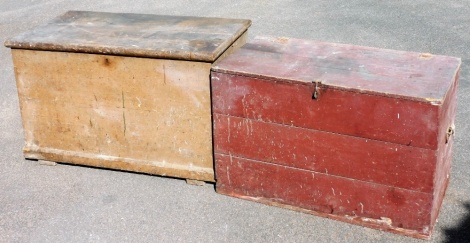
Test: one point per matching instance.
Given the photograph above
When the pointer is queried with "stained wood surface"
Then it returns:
(138, 114)
(143, 35)
(408, 75)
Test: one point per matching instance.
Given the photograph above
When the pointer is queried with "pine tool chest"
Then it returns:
(122, 91)
(357, 134)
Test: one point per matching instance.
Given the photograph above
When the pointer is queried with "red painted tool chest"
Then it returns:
(357, 134)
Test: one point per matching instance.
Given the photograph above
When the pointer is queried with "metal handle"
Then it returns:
(450, 131)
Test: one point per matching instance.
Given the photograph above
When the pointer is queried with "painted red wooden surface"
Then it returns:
(351, 113)
(325, 152)
(365, 92)
(444, 151)
(376, 134)
(411, 75)
(387, 206)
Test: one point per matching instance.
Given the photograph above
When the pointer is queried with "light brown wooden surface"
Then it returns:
(138, 114)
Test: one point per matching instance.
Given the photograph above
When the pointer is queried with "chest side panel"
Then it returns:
(400, 121)
(444, 152)
(108, 109)
(329, 153)
(354, 201)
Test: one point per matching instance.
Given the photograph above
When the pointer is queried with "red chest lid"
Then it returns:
(409, 75)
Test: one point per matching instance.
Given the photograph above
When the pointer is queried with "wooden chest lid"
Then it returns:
(141, 35)
(409, 75)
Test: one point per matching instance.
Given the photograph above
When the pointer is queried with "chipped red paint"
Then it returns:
(325, 152)
(322, 192)
(350, 113)
(370, 150)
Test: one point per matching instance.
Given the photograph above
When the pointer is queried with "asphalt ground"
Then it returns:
(78, 204)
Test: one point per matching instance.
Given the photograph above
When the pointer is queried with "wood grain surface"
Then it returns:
(378, 134)
(139, 114)
(137, 35)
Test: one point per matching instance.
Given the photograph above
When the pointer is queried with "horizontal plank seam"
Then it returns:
(340, 134)
(61, 152)
(336, 87)
(118, 53)
(337, 176)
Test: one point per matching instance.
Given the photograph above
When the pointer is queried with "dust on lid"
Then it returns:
(409, 75)
(140, 35)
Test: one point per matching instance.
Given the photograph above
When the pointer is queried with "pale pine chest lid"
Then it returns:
(140, 35)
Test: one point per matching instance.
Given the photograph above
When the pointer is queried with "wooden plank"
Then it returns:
(195, 182)
(378, 125)
(330, 153)
(444, 151)
(119, 163)
(47, 162)
(408, 75)
(138, 114)
(138, 35)
(358, 202)
(339, 111)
